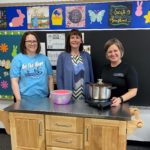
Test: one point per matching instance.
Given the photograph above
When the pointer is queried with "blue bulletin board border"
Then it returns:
(88, 16)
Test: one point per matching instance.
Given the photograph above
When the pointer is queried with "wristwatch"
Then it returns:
(121, 99)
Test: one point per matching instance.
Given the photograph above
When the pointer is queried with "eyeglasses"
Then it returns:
(30, 42)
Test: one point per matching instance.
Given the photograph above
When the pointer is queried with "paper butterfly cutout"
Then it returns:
(96, 16)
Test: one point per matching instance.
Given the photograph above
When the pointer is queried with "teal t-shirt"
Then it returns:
(33, 73)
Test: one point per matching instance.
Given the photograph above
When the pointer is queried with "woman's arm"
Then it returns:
(51, 83)
(91, 69)
(125, 97)
(15, 88)
(59, 72)
(130, 94)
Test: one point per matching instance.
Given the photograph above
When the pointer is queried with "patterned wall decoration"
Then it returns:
(8, 50)
(75, 16)
(91, 16)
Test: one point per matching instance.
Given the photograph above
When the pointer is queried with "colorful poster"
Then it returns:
(141, 14)
(96, 16)
(120, 15)
(75, 16)
(16, 18)
(8, 50)
(38, 17)
(57, 17)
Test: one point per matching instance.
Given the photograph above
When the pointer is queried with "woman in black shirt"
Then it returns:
(121, 75)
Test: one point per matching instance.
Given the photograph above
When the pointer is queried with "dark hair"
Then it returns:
(116, 42)
(73, 32)
(23, 39)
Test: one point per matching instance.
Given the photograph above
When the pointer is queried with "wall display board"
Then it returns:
(9, 47)
(137, 53)
(100, 16)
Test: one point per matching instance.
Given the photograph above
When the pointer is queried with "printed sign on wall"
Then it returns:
(55, 41)
(53, 56)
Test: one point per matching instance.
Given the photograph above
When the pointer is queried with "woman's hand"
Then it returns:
(116, 101)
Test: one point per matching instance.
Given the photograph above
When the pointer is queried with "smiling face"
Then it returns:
(31, 45)
(114, 54)
(75, 41)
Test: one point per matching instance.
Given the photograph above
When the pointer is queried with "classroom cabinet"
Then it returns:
(53, 132)
(102, 134)
(27, 131)
(64, 132)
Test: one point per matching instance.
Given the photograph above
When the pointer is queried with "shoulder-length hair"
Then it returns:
(73, 32)
(23, 40)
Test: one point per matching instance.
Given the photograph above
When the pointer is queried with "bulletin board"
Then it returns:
(112, 15)
(9, 48)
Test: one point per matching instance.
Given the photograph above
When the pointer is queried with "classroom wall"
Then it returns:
(87, 17)
(136, 42)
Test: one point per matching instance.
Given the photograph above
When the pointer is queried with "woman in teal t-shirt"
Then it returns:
(31, 72)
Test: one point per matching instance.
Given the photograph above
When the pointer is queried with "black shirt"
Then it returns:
(123, 77)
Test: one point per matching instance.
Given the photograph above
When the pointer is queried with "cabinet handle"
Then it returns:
(136, 121)
(40, 128)
(63, 125)
(86, 135)
(66, 142)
